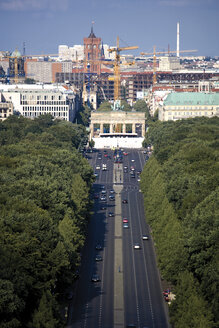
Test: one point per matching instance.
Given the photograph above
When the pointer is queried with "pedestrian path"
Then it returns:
(118, 258)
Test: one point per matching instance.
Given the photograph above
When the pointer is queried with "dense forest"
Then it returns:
(45, 207)
(180, 183)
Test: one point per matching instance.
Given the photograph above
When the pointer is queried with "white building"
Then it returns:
(6, 108)
(40, 71)
(75, 53)
(169, 63)
(182, 105)
(34, 100)
(155, 100)
(67, 66)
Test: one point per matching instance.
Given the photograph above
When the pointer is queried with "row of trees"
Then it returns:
(139, 106)
(45, 207)
(180, 185)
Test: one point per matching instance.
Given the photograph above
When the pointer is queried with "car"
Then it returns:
(102, 197)
(110, 214)
(96, 174)
(132, 168)
(104, 167)
(103, 208)
(136, 246)
(132, 160)
(111, 197)
(98, 258)
(105, 155)
(95, 278)
(112, 191)
(102, 187)
(98, 167)
(125, 220)
(145, 237)
(139, 172)
(125, 167)
(125, 153)
(125, 201)
(138, 179)
(69, 296)
(103, 192)
(99, 157)
(125, 225)
(132, 175)
(98, 247)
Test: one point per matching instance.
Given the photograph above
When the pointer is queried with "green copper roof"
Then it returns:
(191, 98)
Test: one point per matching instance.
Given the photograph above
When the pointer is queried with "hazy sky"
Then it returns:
(45, 24)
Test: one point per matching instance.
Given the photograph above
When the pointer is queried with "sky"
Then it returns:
(45, 24)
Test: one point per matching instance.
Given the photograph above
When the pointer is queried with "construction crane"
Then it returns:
(117, 51)
(16, 55)
(159, 53)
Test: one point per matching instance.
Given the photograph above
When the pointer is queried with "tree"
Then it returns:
(105, 106)
(44, 316)
(140, 106)
(189, 309)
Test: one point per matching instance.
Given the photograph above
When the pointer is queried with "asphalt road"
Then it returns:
(93, 302)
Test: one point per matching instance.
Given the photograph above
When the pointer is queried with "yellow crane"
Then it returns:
(117, 51)
(154, 53)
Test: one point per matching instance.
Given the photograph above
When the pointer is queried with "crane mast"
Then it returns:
(117, 51)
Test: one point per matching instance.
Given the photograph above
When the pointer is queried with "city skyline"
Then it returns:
(45, 24)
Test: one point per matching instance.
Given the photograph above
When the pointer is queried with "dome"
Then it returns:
(16, 53)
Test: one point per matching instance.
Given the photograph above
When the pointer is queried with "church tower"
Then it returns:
(92, 53)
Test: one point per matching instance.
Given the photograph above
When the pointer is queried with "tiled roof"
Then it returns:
(191, 98)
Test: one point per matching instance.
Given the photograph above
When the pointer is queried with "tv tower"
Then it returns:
(177, 41)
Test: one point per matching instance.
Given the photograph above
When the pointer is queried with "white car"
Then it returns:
(98, 167)
(137, 246)
(132, 160)
(145, 237)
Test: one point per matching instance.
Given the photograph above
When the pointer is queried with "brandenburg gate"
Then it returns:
(117, 129)
(117, 122)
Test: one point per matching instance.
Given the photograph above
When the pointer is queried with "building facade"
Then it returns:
(34, 100)
(6, 108)
(92, 53)
(183, 105)
(169, 63)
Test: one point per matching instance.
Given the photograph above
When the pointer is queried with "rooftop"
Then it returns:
(192, 98)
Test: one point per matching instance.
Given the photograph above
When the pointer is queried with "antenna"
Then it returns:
(24, 48)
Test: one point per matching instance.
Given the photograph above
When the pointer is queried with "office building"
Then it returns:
(34, 100)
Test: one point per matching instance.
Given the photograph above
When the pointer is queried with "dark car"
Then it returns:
(98, 247)
(95, 278)
(111, 214)
(111, 197)
(69, 296)
(98, 258)
(125, 201)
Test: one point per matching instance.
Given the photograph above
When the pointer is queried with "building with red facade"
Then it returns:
(92, 53)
